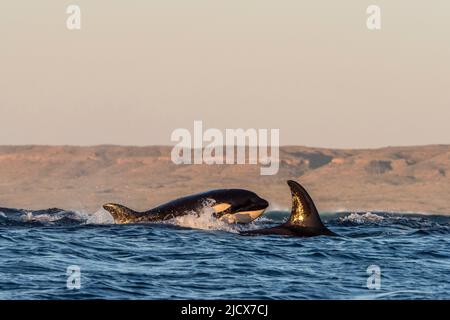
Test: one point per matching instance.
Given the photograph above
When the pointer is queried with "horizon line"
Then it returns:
(246, 146)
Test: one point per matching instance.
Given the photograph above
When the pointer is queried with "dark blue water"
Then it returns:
(166, 261)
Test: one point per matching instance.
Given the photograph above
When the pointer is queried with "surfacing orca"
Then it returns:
(229, 205)
(304, 220)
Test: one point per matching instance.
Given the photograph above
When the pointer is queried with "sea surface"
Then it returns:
(57, 254)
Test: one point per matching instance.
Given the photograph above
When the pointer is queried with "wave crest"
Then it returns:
(361, 218)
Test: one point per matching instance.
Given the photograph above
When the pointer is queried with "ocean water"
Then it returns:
(201, 258)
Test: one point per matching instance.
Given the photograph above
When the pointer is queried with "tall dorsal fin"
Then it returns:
(303, 212)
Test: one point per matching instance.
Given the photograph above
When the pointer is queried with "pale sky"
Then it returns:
(137, 70)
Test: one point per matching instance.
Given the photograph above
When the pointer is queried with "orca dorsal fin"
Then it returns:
(303, 212)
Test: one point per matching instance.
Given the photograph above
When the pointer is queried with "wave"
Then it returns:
(204, 220)
(384, 223)
(52, 217)
(367, 217)
(399, 295)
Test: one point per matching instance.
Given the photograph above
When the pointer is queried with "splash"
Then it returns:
(53, 216)
(204, 220)
(101, 216)
(30, 217)
(367, 217)
(50, 216)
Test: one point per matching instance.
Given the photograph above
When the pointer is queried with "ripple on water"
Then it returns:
(198, 259)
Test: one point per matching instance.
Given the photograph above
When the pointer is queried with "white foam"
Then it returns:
(101, 216)
(203, 220)
(362, 218)
(30, 217)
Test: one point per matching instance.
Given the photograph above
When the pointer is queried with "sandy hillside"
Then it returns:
(83, 178)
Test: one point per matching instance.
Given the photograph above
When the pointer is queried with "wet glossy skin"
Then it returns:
(304, 220)
(225, 203)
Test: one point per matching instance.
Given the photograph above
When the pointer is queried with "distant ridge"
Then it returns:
(408, 179)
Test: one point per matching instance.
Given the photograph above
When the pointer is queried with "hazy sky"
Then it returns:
(137, 70)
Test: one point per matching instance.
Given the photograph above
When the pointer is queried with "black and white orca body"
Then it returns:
(228, 205)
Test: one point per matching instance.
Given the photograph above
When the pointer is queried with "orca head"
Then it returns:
(239, 206)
